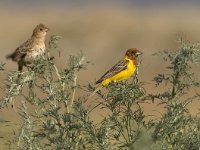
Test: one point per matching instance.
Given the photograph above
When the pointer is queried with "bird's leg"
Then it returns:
(114, 83)
(29, 66)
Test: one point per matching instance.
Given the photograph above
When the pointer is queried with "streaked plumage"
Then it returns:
(120, 66)
(30, 49)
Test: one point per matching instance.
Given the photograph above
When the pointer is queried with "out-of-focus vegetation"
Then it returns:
(54, 117)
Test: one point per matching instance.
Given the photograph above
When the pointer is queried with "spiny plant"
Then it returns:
(61, 120)
(178, 128)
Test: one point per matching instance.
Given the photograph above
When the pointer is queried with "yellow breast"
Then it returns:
(122, 75)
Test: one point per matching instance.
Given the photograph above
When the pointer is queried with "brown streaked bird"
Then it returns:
(122, 70)
(30, 49)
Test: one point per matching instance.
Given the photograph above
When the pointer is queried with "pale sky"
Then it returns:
(145, 3)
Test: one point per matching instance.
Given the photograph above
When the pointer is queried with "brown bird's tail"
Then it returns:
(9, 56)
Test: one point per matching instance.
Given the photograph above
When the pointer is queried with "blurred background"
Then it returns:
(103, 30)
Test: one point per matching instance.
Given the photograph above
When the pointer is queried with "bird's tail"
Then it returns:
(9, 56)
(97, 89)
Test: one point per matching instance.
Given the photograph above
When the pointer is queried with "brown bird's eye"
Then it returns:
(40, 29)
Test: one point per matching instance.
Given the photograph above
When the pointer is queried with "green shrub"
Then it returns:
(59, 121)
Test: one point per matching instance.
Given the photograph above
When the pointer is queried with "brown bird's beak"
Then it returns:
(47, 29)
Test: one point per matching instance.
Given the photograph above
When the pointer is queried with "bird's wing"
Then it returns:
(26, 46)
(118, 67)
(22, 50)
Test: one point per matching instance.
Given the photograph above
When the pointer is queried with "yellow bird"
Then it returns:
(122, 70)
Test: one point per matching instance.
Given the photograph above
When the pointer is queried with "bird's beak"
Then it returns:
(139, 53)
(47, 29)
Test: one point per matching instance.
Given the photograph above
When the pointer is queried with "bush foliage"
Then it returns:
(53, 117)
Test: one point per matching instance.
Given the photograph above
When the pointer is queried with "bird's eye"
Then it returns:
(40, 29)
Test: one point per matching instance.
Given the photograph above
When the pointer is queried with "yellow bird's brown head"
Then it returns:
(40, 30)
(132, 53)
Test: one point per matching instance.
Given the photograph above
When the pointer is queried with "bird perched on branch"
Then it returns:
(122, 70)
(33, 47)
